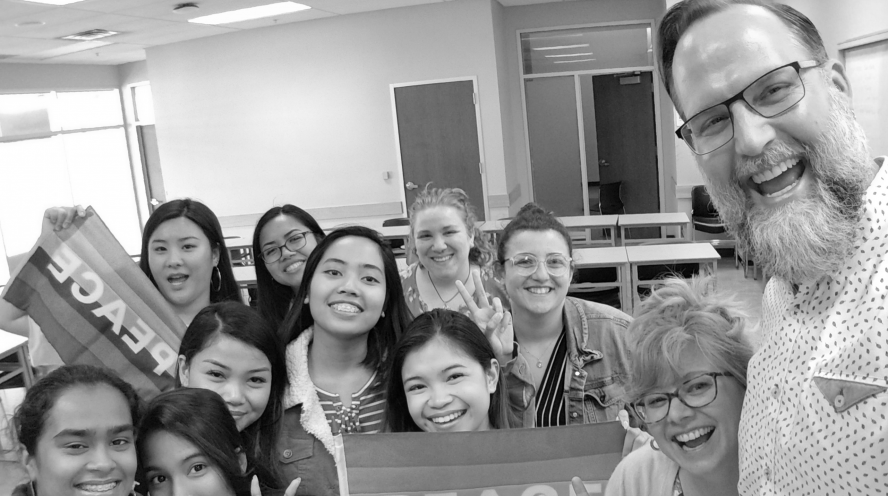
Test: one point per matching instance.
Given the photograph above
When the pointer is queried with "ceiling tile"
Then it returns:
(52, 18)
(303, 15)
(20, 46)
(111, 6)
(111, 54)
(153, 32)
(10, 9)
(354, 6)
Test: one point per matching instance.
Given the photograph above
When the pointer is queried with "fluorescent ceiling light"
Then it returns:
(569, 55)
(55, 2)
(562, 47)
(250, 13)
(92, 34)
(571, 61)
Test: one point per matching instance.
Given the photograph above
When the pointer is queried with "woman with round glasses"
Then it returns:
(561, 344)
(283, 239)
(689, 359)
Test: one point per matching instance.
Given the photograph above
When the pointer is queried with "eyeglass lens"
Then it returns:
(293, 243)
(556, 265)
(695, 393)
(770, 95)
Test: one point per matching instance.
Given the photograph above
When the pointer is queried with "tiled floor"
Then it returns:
(747, 291)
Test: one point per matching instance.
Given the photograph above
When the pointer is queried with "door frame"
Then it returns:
(653, 69)
(482, 165)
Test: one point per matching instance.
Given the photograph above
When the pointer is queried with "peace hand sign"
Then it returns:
(495, 322)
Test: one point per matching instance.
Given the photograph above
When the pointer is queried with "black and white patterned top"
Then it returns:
(815, 416)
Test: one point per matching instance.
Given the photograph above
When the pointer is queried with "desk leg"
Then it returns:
(636, 300)
(625, 287)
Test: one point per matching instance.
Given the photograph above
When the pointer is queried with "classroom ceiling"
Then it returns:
(30, 32)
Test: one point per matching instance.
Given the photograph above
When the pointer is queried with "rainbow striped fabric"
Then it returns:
(510, 462)
(96, 307)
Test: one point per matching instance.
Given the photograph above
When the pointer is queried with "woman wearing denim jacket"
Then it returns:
(568, 363)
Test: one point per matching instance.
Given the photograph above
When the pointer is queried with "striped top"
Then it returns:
(550, 396)
(364, 415)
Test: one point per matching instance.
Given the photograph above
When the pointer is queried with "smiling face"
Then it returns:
(87, 446)
(442, 242)
(447, 390)
(174, 466)
(538, 293)
(786, 183)
(181, 260)
(275, 234)
(701, 439)
(348, 290)
(238, 372)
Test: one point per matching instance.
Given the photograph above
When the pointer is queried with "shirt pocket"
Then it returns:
(843, 393)
(603, 399)
(293, 451)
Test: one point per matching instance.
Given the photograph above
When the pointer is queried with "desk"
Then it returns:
(15, 345)
(604, 222)
(586, 258)
(629, 221)
(675, 253)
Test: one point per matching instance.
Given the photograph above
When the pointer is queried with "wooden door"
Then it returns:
(438, 139)
(627, 140)
(553, 138)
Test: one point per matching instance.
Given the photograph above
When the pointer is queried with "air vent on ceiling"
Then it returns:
(90, 35)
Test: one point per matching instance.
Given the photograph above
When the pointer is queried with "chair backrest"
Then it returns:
(609, 201)
(701, 203)
(400, 221)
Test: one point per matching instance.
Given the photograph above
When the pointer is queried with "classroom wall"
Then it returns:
(562, 14)
(302, 112)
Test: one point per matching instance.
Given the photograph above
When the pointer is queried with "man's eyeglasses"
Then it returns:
(695, 393)
(768, 96)
(526, 264)
(293, 243)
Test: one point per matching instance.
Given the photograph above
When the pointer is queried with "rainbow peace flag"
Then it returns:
(509, 462)
(97, 307)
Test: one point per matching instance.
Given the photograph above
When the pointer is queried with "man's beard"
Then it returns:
(811, 236)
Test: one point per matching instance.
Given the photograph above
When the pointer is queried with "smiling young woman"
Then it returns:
(283, 239)
(448, 248)
(77, 427)
(348, 313)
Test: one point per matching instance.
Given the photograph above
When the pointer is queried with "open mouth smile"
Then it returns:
(539, 290)
(91, 487)
(691, 441)
(295, 266)
(447, 419)
(177, 280)
(349, 308)
(779, 179)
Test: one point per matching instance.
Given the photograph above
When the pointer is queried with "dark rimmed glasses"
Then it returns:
(293, 243)
(768, 96)
(696, 392)
(526, 264)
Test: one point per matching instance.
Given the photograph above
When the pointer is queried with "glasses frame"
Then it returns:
(280, 249)
(535, 267)
(715, 375)
(798, 66)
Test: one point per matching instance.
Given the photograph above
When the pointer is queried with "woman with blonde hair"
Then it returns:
(689, 360)
(447, 248)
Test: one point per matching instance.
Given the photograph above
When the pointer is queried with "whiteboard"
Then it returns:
(867, 67)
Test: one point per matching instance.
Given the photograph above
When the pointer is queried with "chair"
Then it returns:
(609, 200)
(397, 245)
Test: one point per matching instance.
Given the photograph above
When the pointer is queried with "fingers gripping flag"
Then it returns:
(96, 307)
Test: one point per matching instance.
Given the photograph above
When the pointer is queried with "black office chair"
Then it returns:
(706, 219)
(397, 245)
(609, 200)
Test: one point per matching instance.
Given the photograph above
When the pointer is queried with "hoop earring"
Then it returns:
(217, 272)
(654, 445)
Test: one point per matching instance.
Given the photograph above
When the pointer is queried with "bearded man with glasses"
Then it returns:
(768, 116)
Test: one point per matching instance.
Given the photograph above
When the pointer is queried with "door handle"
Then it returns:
(154, 202)
(410, 185)
(603, 163)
